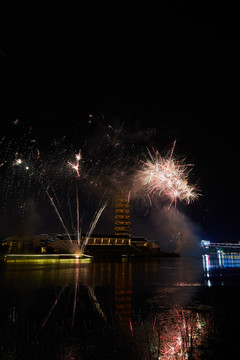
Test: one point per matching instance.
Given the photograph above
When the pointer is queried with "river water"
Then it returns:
(178, 308)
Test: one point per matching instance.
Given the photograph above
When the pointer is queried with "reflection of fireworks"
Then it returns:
(167, 176)
(76, 296)
(179, 334)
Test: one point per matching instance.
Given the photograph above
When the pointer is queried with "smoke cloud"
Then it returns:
(172, 229)
(31, 220)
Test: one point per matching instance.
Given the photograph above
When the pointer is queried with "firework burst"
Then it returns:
(77, 165)
(167, 176)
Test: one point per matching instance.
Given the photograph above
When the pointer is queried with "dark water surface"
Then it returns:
(183, 308)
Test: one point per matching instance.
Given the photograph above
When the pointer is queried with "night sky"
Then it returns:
(157, 73)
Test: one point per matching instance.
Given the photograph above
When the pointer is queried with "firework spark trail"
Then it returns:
(167, 176)
(129, 196)
(58, 205)
(3, 138)
(75, 295)
(77, 211)
(53, 307)
(71, 216)
(4, 162)
(172, 149)
(59, 216)
(92, 226)
(96, 303)
(74, 304)
(79, 247)
(119, 132)
(77, 165)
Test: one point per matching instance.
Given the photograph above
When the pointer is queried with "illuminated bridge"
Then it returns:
(216, 248)
(220, 256)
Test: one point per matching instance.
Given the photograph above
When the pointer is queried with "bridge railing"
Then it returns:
(206, 244)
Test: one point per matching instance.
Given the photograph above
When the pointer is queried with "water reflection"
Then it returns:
(221, 269)
(174, 334)
(121, 311)
(220, 261)
(123, 289)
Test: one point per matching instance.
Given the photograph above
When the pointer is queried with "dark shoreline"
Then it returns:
(116, 253)
(112, 256)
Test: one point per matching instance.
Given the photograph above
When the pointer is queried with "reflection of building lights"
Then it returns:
(206, 262)
(219, 257)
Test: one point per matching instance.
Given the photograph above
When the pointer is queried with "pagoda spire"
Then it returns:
(122, 215)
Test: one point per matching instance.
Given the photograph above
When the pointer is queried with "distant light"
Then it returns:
(27, 167)
(205, 243)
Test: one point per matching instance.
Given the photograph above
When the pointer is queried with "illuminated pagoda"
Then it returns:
(122, 215)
